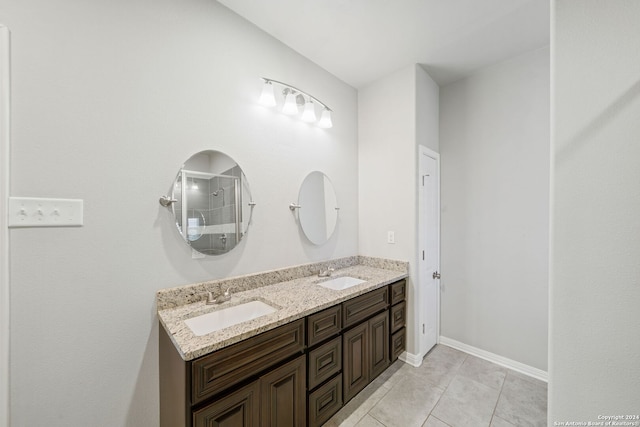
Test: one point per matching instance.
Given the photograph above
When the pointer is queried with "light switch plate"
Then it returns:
(45, 212)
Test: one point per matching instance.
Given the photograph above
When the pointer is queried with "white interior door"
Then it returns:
(429, 245)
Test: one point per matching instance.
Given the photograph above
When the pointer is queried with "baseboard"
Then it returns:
(498, 360)
(414, 360)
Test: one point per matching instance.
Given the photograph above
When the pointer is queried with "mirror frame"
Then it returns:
(239, 192)
(314, 215)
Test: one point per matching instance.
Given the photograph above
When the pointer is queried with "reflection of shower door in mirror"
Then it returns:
(210, 211)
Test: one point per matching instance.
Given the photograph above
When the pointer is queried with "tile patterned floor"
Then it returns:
(449, 389)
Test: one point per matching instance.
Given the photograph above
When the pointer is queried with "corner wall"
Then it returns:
(395, 115)
(494, 151)
(594, 361)
(109, 98)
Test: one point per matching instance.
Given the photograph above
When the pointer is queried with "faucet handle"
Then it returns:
(227, 293)
(210, 298)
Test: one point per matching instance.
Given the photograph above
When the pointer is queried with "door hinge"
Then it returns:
(436, 275)
(423, 330)
(423, 255)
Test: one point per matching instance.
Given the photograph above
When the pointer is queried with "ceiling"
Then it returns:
(360, 41)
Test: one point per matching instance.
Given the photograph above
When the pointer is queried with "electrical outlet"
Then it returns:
(42, 212)
(391, 237)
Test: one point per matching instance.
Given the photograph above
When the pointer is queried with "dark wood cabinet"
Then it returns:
(325, 401)
(398, 291)
(295, 375)
(355, 360)
(201, 392)
(360, 308)
(324, 362)
(365, 354)
(378, 344)
(283, 395)
(238, 362)
(398, 318)
(238, 409)
(324, 325)
(398, 344)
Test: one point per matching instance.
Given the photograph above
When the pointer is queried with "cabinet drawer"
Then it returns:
(398, 316)
(223, 368)
(398, 291)
(398, 343)
(324, 325)
(359, 308)
(324, 362)
(325, 401)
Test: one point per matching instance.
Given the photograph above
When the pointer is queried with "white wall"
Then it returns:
(109, 99)
(595, 245)
(494, 148)
(427, 111)
(395, 114)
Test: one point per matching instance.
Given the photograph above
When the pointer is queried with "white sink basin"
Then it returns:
(220, 319)
(340, 283)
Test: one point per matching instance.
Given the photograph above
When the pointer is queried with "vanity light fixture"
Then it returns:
(267, 97)
(309, 113)
(325, 119)
(290, 103)
(293, 99)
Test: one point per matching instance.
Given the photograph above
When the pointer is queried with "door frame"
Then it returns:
(4, 230)
(424, 151)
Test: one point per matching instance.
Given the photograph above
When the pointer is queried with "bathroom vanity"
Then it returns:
(295, 366)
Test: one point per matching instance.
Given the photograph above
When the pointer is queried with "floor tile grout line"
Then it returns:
(378, 401)
(447, 424)
(493, 414)
(445, 390)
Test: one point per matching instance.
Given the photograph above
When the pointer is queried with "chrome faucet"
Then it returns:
(327, 272)
(226, 296)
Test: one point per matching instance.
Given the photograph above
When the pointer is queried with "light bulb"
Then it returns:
(290, 104)
(325, 119)
(267, 98)
(309, 113)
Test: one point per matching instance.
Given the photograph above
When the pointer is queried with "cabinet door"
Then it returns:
(379, 344)
(355, 352)
(238, 409)
(283, 395)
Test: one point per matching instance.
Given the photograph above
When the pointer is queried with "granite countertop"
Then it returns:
(293, 299)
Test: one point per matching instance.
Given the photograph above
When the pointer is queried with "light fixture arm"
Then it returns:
(288, 86)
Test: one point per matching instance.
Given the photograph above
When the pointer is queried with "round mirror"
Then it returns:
(318, 211)
(211, 203)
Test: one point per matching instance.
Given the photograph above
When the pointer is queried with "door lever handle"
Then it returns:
(436, 275)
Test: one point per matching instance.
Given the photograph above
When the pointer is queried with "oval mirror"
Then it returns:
(211, 202)
(318, 207)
